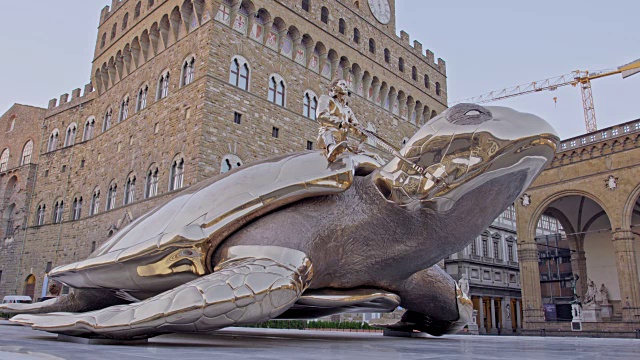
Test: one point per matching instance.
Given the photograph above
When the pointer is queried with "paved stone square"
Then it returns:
(18, 342)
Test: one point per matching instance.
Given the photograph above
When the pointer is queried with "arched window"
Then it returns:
(40, 213)
(89, 125)
(94, 207)
(11, 187)
(438, 89)
(77, 208)
(130, 190)
(142, 97)
(306, 5)
(107, 120)
(136, 12)
(277, 90)
(473, 249)
(4, 160)
(103, 41)
(27, 150)
(188, 70)
(58, 210)
(70, 136)
(239, 73)
(414, 73)
(9, 230)
(124, 109)
(387, 56)
(433, 114)
(324, 15)
(151, 185)
(11, 124)
(342, 26)
(53, 140)
(150, 4)
(125, 21)
(427, 83)
(401, 64)
(310, 105)
(496, 246)
(176, 174)
(372, 46)
(356, 35)
(114, 29)
(485, 243)
(163, 86)
(230, 162)
(111, 196)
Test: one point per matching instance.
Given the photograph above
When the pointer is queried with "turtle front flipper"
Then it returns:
(80, 300)
(252, 284)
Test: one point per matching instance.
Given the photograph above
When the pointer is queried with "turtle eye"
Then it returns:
(468, 114)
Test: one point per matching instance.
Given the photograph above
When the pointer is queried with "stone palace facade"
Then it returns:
(183, 90)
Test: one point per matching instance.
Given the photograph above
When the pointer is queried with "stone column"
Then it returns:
(579, 267)
(494, 329)
(507, 321)
(627, 274)
(482, 329)
(518, 319)
(530, 281)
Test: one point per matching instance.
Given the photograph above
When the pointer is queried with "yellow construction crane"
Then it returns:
(574, 78)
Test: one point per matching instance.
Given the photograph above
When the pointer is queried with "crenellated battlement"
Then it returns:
(107, 11)
(416, 48)
(77, 96)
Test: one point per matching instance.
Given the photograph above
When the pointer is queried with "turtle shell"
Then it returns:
(172, 244)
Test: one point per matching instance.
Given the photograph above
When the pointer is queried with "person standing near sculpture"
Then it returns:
(337, 121)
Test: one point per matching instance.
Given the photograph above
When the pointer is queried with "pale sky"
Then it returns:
(488, 45)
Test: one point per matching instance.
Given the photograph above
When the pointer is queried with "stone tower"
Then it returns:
(182, 90)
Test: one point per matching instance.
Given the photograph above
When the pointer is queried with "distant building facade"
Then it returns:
(491, 266)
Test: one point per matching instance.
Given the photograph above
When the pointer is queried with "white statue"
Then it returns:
(604, 295)
(590, 296)
(463, 283)
(576, 311)
(611, 183)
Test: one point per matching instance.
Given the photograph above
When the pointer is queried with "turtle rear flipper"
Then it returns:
(80, 300)
(253, 284)
(434, 302)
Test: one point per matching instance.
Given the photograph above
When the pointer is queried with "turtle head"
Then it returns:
(463, 148)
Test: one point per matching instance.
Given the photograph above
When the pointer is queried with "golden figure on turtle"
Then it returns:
(337, 122)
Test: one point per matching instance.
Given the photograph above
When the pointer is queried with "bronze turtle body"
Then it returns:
(299, 237)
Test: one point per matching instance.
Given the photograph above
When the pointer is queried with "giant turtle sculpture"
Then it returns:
(297, 236)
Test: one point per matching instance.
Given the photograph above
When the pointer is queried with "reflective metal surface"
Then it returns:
(463, 147)
(238, 248)
(318, 303)
(337, 121)
(173, 243)
(252, 284)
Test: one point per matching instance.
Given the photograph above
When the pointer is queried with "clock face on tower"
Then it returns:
(381, 10)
